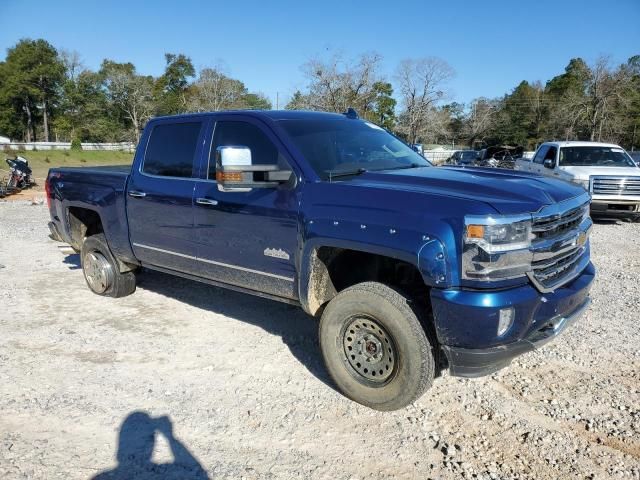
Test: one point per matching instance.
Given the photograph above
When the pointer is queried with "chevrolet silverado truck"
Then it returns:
(604, 169)
(411, 269)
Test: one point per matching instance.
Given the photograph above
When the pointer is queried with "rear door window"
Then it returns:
(171, 149)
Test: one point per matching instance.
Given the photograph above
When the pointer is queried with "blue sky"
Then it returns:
(491, 44)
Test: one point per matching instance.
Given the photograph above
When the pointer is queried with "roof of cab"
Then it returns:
(272, 114)
(574, 143)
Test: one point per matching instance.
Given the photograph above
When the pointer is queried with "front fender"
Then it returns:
(424, 251)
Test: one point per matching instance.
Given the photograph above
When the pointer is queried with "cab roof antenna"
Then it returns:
(351, 113)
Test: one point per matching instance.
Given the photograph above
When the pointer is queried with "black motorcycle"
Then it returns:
(19, 174)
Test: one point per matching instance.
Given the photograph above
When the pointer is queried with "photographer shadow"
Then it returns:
(136, 443)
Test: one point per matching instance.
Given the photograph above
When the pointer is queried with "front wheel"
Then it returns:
(375, 348)
(101, 270)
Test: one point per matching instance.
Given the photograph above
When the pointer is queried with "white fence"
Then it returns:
(438, 157)
(124, 146)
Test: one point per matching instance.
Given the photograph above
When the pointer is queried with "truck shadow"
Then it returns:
(298, 330)
(136, 442)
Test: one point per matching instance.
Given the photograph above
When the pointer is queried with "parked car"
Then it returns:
(604, 169)
(410, 268)
(499, 156)
(464, 157)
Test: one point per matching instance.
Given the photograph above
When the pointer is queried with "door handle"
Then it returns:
(137, 194)
(206, 201)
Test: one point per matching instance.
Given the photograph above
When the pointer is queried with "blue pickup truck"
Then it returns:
(411, 269)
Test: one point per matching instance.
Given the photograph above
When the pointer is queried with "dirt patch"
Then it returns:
(242, 383)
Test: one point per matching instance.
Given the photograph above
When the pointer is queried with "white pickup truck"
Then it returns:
(605, 170)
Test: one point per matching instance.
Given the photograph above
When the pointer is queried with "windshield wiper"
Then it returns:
(401, 167)
(346, 173)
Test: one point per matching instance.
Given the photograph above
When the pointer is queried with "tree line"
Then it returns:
(598, 102)
(46, 94)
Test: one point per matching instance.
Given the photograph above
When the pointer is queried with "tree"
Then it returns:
(170, 89)
(215, 91)
(521, 117)
(130, 93)
(481, 120)
(255, 101)
(336, 84)
(32, 75)
(604, 91)
(298, 101)
(383, 105)
(566, 93)
(86, 113)
(422, 86)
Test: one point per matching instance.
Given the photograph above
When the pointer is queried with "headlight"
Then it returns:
(583, 183)
(496, 248)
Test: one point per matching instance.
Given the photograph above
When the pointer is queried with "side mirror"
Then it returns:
(235, 171)
(549, 163)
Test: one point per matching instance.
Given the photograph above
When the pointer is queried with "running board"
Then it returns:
(228, 286)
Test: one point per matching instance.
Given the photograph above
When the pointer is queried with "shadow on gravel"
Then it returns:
(610, 221)
(136, 442)
(73, 261)
(297, 329)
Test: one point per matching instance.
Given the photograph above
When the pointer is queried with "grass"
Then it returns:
(41, 161)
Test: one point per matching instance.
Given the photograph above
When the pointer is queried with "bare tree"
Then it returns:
(215, 91)
(481, 119)
(72, 62)
(421, 83)
(606, 89)
(336, 84)
(129, 92)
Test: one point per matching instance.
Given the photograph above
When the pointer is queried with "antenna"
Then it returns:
(351, 113)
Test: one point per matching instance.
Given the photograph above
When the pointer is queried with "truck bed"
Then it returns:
(100, 189)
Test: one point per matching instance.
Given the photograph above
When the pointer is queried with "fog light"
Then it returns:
(506, 320)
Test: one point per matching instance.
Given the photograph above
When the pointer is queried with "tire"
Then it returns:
(101, 270)
(375, 348)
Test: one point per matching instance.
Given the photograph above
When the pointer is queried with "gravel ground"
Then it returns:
(242, 383)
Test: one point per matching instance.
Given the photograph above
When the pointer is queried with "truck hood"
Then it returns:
(583, 173)
(507, 191)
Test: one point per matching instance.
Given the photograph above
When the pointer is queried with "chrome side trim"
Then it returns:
(213, 262)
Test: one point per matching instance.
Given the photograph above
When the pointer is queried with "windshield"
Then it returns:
(594, 157)
(343, 145)
(468, 155)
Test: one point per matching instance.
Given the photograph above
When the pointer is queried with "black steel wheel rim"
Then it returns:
(371, 355)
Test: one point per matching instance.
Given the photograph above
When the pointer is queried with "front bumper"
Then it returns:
(466, 362)
(615, 208)
(466, 322)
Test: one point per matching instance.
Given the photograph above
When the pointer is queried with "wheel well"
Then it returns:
(334, 269)
(83, 223)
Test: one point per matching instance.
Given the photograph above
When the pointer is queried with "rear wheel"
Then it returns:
(375, 348)
(101, 270)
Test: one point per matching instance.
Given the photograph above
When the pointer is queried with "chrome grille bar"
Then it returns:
(560, 249)
(612, 185)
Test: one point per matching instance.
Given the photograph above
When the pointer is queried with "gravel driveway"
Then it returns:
(234, 386)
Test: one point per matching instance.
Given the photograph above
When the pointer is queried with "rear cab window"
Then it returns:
(171, 150)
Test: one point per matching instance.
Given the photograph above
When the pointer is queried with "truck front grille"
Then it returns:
(560, 249)
(609, 185)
